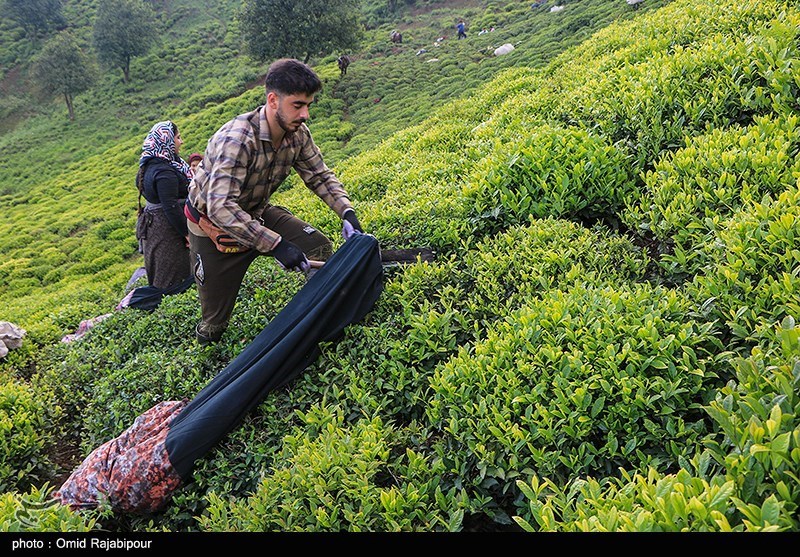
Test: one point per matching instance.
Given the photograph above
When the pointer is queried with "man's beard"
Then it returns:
(285, 126)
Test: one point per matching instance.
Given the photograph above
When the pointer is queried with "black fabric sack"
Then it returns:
(343, 291)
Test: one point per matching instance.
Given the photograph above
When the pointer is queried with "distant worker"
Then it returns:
(396, 37)
(462, 33)
(343, 61)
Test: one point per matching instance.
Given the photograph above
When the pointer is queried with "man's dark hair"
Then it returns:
(288, 76)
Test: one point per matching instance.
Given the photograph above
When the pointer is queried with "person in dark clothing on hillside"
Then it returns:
(344, 63)
(462, 33)
(245, 161)
(163, 180)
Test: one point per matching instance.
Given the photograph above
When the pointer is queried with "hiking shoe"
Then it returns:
(203, 338)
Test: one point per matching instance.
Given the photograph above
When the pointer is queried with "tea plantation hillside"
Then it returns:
(67, 201)
(607, 340)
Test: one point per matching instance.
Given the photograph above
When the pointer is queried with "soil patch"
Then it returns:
(66, 456)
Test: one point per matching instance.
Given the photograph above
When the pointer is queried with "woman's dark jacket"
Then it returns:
(165, 185)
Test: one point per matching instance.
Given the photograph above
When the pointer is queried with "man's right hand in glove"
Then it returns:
(350, 224)
(290, 257)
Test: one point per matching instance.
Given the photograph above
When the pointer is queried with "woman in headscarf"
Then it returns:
(163, 180)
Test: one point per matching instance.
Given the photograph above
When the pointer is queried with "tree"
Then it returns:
(299, 28)
(35, 15)
(123, 30)
(62, 67)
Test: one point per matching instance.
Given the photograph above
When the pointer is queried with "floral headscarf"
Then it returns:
(160, 142)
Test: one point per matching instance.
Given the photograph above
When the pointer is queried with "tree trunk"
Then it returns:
(70, 107)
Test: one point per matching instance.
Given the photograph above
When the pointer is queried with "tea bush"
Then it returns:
(553, 173)
(694, 190)
(577, 383)
(26, 422)
(753, 284)
(335, 477)
(35, 511)
(758, 417)
(640, 502)
(548, 254)
(745, 481)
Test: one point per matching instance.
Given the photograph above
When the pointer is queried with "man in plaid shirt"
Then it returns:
(245, 161)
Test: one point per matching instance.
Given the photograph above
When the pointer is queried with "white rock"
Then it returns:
(11, 335)
(505, 49)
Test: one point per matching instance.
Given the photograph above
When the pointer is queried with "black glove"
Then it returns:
(291, 257)
(351, 224)
(350, 216)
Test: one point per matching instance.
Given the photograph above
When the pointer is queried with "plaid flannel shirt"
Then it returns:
(241, 170)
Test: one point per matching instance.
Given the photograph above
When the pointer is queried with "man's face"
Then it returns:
(290, 110)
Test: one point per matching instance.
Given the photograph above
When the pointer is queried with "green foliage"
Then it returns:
(318, 27)
(578, 383)
(752, 285)
(35, 15)
(552, 173)
(548, 255)
(35, 511)
(107, 379)
(696, 189)
(336, 477)
(758, 447)
(62, 68)
(759, 417)
(26, 422)
(123, 30)
(640, 502)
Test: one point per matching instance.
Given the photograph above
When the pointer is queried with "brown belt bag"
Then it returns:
(223, 241)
